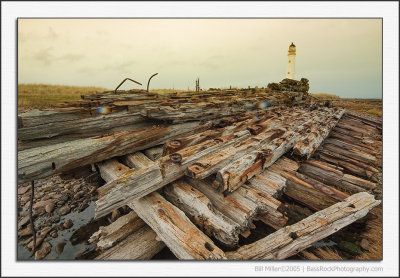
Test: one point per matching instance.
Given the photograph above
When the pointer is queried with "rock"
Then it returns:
(92, 190)
(83, 206)
(350, 248)
(48, 187)
(67, 186)
(46, 197)
(60, 203)
(24, 213)
(42, 203)
(64, 210)
(61, 227)
(25, 199)
(79, 195)
(49, 207)
(24, 220)
(364, 244)
(38, 211)
(68, 224)
(23, 190)
(43, 251)
(76, 188)
(45, 230)
(39, 240)
(54, 219)
(60, 247)
(25, 232)
(115, 215)
(65, 197)
(54, 234)
(55, 195)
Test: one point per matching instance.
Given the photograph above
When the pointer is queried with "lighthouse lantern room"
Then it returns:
(291, 61)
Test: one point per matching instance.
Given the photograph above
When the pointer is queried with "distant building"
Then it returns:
(291, 61)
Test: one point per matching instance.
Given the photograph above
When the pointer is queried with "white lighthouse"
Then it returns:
(291, 61)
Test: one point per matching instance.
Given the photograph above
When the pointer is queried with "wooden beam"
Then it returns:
(44, 161)
(176, 230)
(141, 245)
(201, 211)
(292, 239)
(108, 236)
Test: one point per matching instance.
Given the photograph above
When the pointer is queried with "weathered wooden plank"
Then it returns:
(176, 230)
(140, 245)
(111, 169)
(293, 239)
(244, 205)
(351, 165)
(92, 125)
(108, 236)
(154, 153)
(201, 212)
(137, 160)
(352, 153)
(49, 160)
(311, 193)
(334, 177)
(138, 183)
(308, 143)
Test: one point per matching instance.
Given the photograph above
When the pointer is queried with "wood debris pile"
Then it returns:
(198, 169)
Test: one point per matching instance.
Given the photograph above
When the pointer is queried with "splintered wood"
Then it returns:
(199, 170)
(292, 239)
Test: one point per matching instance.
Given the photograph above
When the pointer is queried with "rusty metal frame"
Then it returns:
(115, 91)
(148, 82)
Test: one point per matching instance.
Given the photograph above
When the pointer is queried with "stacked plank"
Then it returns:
(243, 151)
(106, 125)
(200, 169)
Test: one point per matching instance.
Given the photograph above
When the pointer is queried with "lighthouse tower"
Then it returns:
(291, 61)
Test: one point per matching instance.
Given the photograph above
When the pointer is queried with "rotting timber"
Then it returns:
(200, 170)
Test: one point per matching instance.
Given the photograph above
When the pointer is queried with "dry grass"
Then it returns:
(373, 107)
(42, 95)
(325, 96)
(324, 254)
(373, 233)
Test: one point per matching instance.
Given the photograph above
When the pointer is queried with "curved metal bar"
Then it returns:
(148, 82)
(123, 83)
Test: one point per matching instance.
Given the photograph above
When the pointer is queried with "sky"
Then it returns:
(338, 56)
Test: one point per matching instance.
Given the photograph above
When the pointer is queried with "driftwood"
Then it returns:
(176, 230)
(307, 144)
(201, 212)
(154, 153)
(137, 160)
(138, 183)
(270, 181)
(111, 169)
(108, 236)
(332, 175)
(244, 205)
(141, 245)
(48, 160)
(292, 239)
(351, 165)
(310, 192)
(84, 125)
(353, 154)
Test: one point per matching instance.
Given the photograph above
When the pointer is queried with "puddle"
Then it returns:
(70, 251)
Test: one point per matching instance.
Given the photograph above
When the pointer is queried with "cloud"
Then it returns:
(71, 57)
(44, 56)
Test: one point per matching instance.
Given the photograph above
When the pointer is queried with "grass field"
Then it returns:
(41, 95)
(324, 96)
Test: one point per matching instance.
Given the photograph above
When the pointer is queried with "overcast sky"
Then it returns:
(338, 56)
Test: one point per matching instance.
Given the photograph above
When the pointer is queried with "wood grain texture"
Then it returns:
(293, 239)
